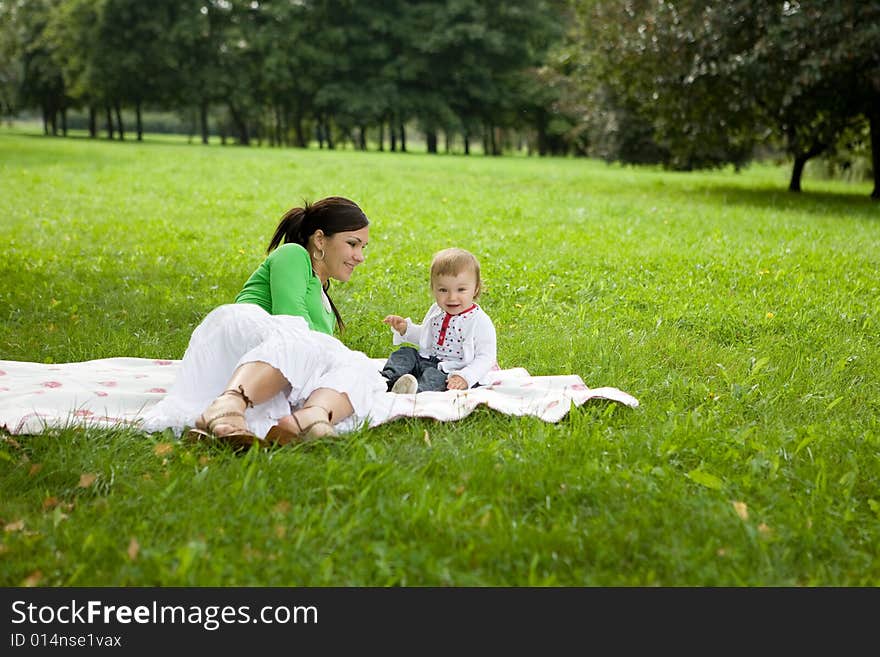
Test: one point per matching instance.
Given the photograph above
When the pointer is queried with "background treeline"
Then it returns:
(682, 84)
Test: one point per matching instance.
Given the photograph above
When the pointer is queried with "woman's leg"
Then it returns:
(322, 409)
(260, 381)
(256, 382)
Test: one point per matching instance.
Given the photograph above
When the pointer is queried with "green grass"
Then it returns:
(744, 319)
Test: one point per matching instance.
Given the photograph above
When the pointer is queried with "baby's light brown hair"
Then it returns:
(453, 261)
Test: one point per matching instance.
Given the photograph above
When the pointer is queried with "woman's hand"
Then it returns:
(396, 322)
(456, 382)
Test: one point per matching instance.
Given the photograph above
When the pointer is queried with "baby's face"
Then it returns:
(455, 294)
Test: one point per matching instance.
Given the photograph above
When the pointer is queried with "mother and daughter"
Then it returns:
(267, 368)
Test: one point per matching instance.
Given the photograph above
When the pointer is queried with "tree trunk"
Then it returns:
(491, 144)
(542, 135)
(874, 122)
(300, 133)
(45, 121)
(64, 121)
(800, 159)
(362, 137)
(392, 133)
(431, 139)
(119, 121)
(240, 126)
(109, 123)
(402, 138)
(93, 122)
(328, 133)
(467, 143)
(447, 138)
(203, 120)
(797, 171)
(139, 120)
(381, 135)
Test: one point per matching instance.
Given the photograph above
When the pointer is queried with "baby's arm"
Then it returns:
(396, 322)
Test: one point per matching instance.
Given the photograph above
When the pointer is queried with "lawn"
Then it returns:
(744, 318)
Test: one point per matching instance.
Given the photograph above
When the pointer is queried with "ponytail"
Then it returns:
(290, 229)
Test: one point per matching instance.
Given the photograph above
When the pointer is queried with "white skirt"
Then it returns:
(235, 334)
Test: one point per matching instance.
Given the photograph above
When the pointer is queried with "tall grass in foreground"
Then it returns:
(744, 318)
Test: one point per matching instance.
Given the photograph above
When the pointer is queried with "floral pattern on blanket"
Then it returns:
(110, 392)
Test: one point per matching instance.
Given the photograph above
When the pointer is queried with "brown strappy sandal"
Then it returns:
(305, 434)
(240, 437)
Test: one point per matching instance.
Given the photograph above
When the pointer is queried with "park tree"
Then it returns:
(73, 29)
(708, 80)
(465, 59)
(10, 60)
(134, 53)
(195, 39)
(290, 52)
(39, 80)
(356, 90)
(647, 105)
(811, 68)
(235, 61)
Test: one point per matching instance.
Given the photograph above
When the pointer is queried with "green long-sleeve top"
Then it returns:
(284, 284)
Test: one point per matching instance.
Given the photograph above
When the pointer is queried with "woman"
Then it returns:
(268, 364)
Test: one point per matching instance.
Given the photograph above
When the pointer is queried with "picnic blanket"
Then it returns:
(115, 392)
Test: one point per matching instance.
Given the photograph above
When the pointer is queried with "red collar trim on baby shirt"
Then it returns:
(442, 337)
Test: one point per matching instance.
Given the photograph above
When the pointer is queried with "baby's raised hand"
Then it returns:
(456, 382)
(396, 322)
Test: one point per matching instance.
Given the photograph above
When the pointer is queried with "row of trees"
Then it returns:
(284, 70)
(683, 83)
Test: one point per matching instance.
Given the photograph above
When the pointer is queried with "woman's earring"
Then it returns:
(315, 256)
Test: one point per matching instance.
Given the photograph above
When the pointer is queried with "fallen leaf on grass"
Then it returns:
(87, 479)
(12, 441)
(742, 510)
(133, 548)
(766, 531)
(163, 448)
(33, 579)
(705, 479)
(35, 468)
(16, 526)
(427, 438)
(58, 516)
(50, 503)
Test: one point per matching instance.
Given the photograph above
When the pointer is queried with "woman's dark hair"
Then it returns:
(330, 215)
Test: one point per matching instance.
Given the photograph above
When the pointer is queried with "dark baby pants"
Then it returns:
(407, 360)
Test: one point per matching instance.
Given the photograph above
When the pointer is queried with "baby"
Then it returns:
(456, 338)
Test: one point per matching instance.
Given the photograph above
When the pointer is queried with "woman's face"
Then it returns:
(342, 253)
